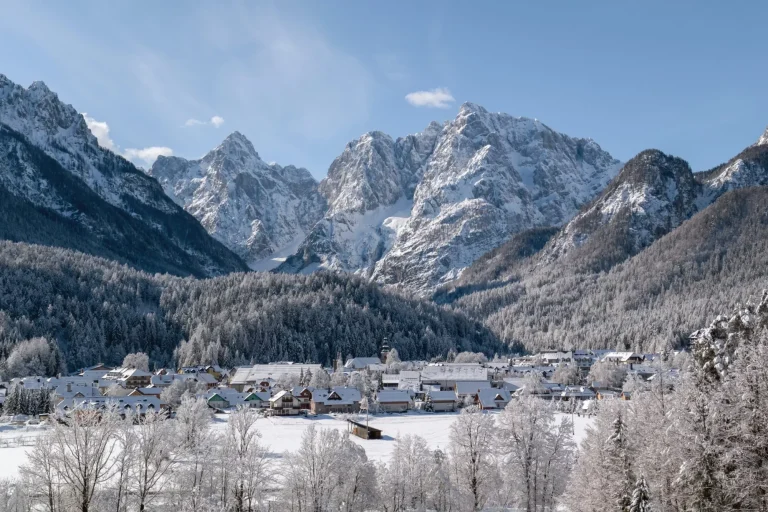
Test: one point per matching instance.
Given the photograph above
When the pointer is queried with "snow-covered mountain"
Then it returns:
(74, 193)
(416, 211)
(260, 211)
(653, 194)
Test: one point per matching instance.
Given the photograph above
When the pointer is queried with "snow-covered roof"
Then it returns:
(442, 396)
(471, 387)
(280, 395)
(337, 396)
(393, 396)
(490, 397)
(260, 372)
(359, 363)
(65, 391)
(455, 373)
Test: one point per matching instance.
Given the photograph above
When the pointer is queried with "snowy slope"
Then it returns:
(416, 211)
(653, 194)
(260, 211)
(66, 190)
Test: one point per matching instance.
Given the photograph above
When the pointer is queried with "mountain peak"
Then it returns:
(236, 141)
(763, 140)
(468, 107)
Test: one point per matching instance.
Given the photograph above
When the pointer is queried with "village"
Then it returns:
(371, 385)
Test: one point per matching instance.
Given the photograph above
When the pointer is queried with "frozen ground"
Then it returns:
(283, 434)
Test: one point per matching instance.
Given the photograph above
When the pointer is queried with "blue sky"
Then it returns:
(301, 79)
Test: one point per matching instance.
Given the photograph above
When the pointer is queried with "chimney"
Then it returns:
(69, 387)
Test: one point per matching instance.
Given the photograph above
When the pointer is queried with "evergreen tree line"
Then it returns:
(31, 402)
(97, 310)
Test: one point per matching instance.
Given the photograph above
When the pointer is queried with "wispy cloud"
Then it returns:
(147, 155)
(100, 130)
(314, 89)
(216, 121)
(436, 98)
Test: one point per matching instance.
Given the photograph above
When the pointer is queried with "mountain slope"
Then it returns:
(98, 310)
(61, 188)
(631, 271)
(256, 209)
(414, 212)
(653, 194)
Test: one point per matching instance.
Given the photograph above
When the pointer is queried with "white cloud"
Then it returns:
(100, 130)
(436, 98)
(147, 155)
(217, 121)
(193, 122)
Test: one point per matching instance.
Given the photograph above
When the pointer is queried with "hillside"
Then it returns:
(652, 300)
(99, 310)
(60, 188)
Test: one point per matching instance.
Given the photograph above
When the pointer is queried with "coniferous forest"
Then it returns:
(99, 311)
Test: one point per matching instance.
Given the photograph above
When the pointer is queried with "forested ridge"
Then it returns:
(99, 310)
(648, 302)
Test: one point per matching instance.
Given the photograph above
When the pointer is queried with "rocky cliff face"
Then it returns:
(53, 170)
(414, 212)
(260, 211)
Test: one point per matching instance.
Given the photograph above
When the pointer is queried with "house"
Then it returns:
(394, 401)
(130, 377)
(493, 398)
(390, 381)
(257, 400)
(284, 404)
(217, 401)
(207, 379)
(409, 380)
(336, 400)
(304, 395)
(577, 393)
(623, 358)
(361, 363)
(264, 373)
(66, 391)
(470, 388)
(134, 404)
(441, 401)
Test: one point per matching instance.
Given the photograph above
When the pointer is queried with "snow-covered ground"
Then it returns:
(283, 434)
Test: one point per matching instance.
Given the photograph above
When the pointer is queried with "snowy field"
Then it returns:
(283, 434)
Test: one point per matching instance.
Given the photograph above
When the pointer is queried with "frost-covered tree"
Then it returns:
(568, 375)
(472, 456)
(155, 456)
(320, 379)
(138, 360)
(607, 373)
(338, 378)
(406, 476)
(173, 393)
(470, 357)
(36, 356)
(247, 460)
(538, 452)
(641, 498)
(601, 480)
(393, 357)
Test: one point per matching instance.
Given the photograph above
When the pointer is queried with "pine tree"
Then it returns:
(641, 497)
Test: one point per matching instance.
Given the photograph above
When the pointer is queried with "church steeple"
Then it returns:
(384, 350)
